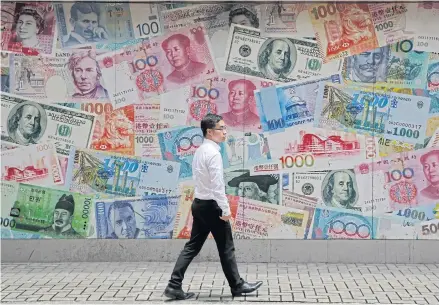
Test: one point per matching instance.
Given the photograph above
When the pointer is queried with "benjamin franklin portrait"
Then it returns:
(277, 58)
(26, 123)
(340, 190)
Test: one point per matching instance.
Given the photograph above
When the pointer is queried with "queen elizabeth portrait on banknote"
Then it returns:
(26, 123)
(244, 14)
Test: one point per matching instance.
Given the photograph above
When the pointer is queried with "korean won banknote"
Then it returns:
(345, 29)
(179, 145)
(369, 111)
(153, 67)
(288, 105)
(279, 59)
(37, 164)
(136, 218)
(68, 76)
(28, 27)
(91, 171)
(26, 122)
(48, 211)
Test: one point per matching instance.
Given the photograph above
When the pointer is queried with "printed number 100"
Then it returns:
(147, 28)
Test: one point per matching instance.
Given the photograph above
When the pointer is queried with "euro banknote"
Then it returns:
(26, 122)
(282, 59)
(370, 111)
(91, 171)
(37, 164)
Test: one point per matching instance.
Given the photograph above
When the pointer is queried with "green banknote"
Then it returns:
(47, 211)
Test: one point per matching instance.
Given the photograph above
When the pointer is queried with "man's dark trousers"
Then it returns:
(206, 215)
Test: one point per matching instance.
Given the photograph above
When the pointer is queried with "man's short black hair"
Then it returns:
(209, 122)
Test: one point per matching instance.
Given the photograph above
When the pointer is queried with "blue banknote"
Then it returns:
(179, 145)
(7, 233)
(136, 218)
(91, 171)
(338, 224)
(418, 213)
(289, 105)
(393, 65)
(369, 111)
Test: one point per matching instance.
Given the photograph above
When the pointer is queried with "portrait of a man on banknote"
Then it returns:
(62, 218)
(26, 123)
(368, 67)
(277, 58)
(85, 19)
(262, 188)
(86, 75)
(177, 49)
(240, 98)
(244, 14)
(430, 165)
(339, 189)
(122, 219)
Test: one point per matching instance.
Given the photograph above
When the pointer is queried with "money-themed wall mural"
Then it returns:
(331, 108)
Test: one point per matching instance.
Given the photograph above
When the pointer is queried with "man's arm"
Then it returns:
(215, 165)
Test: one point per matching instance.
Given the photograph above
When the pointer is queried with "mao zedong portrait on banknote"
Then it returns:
(26, 123)
(177, 49)
(86, 75)
(430, 166)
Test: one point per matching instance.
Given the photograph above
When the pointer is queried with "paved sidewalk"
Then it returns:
(128, 283)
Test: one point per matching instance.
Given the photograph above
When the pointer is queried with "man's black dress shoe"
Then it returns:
(178, 294)
(245, 288)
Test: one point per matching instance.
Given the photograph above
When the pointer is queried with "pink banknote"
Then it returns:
(28, 27)
(157, 66)
(404, 180)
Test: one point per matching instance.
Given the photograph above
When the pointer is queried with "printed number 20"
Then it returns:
(146, 28)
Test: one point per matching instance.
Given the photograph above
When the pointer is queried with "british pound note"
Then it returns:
(369, 111)
(288, 105)
(339, 224)
(281, 59)
(309, 148)
(36, 164)
(49, 212)
(179, 145)
(67, 76)
(232, 97)
(346, 29)
(396, 65)
(153, 67)
(150, 217)
(408, 179)
(28, 27)
(114, 130)
(26, 122)
(105, 23)
(4, 80)
(216, 19)
(257, 220)
(286, 19)
(146, 21)
(91, 171)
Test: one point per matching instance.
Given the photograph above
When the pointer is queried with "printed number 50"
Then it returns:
(147, 28)
(426, 229)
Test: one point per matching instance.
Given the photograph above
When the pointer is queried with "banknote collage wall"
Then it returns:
(331, 108)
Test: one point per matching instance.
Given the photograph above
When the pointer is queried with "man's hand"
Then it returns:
(225, 218)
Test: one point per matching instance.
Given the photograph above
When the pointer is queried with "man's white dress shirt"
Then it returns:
(207, 170)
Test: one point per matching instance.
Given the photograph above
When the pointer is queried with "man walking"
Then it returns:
(211, 213)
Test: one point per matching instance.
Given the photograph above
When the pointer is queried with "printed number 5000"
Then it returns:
(432, 228)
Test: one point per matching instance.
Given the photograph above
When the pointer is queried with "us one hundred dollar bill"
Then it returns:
(280, 59)
(26, 122)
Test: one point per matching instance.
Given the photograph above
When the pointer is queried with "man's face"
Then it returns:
(85, 25)
(248, 190)
(125, 223)
(238, 97)
(342, 187)
(176, 53)
(219, 133)
(431, 169)
(242, 20)
(61, 218)
(366, 64)
(26, 27)
(279, 55)
(29, 121)
(85, 74)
